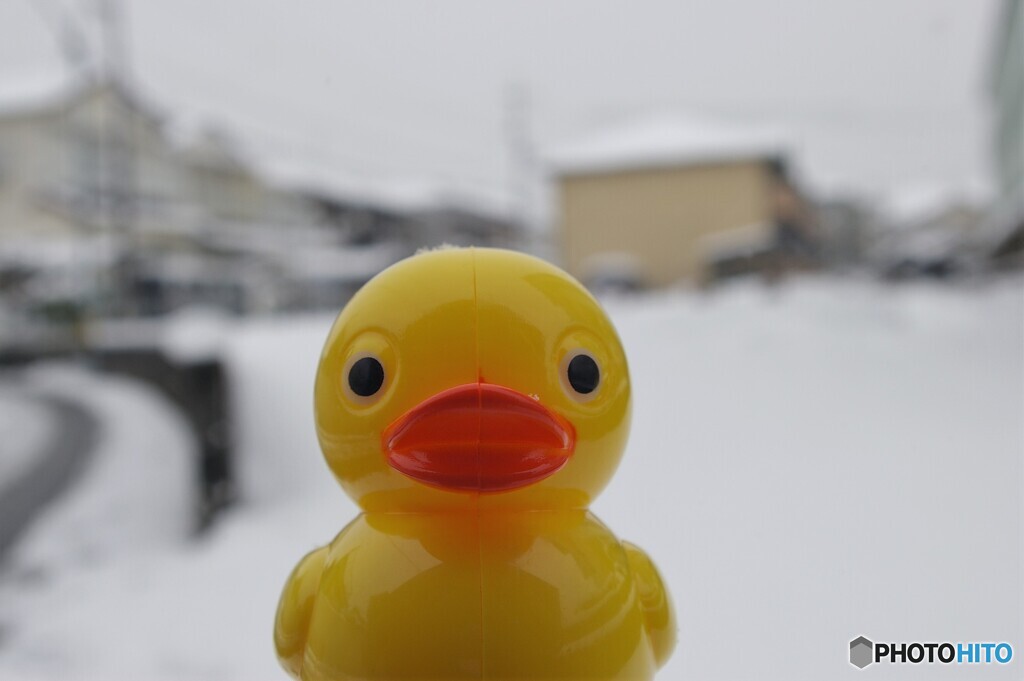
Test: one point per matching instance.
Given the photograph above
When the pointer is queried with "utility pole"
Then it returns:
(68, 34)
(114, 64)
(520, 155)
(73, 45)
(119, 142)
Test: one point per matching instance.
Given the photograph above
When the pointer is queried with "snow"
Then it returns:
(75, 576)
(339, 264)
(742, 240)
(918, 202)
(145, 461)
(32, 90)
(271, 367)
(396, 192)
(845, 460)
(187, 335)
(667, 140)
(264, 238)
(808, 463)
(57, 253)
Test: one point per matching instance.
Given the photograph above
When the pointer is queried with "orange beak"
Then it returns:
(479, 438)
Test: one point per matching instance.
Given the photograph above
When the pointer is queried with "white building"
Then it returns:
(75, 161)
(92, 184)
(1007, 91)
(101, 206)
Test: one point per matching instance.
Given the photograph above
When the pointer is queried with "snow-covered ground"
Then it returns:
(808, 463)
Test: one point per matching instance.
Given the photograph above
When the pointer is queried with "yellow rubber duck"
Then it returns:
(473, 402)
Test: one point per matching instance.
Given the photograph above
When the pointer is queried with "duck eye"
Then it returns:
(583, 374)
(366, 376)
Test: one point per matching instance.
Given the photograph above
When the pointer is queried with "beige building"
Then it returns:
(668, 199)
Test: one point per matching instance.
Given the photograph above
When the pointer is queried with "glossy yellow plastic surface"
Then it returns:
(437, 583)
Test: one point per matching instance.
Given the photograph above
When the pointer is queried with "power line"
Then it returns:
(520, 150)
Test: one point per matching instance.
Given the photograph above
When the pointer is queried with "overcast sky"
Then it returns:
(878, 95)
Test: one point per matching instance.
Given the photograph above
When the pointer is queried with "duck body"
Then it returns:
(473, 402)
(505, 595)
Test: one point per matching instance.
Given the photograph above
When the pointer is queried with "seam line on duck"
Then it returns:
(476, 495)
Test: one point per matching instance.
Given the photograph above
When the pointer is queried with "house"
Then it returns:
(929, 232)
(678, 198)
(418, 213)
(94, 157)
(103, 206)
(106, 207)
(83, 159)
(1007, 93)
(460, 225)
(223, 183)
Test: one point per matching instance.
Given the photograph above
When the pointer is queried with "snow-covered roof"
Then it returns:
(666, 140)
(61, 252)
(355, 265)
(214, 147)
(33, 94)
(407, 194)
(263, 238)
(33, 91)
(917, 202)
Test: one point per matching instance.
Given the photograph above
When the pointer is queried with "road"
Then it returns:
(70, 449)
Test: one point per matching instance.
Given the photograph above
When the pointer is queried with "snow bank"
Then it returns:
(271, 366)
(132, 502)
(136, 493)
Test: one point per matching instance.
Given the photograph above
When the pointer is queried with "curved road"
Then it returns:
(71, 448)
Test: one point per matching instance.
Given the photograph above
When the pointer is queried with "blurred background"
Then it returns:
(806, 220)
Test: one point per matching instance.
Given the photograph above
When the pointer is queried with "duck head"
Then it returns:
(472, 378)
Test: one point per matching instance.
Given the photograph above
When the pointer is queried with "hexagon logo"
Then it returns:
(861, 652)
